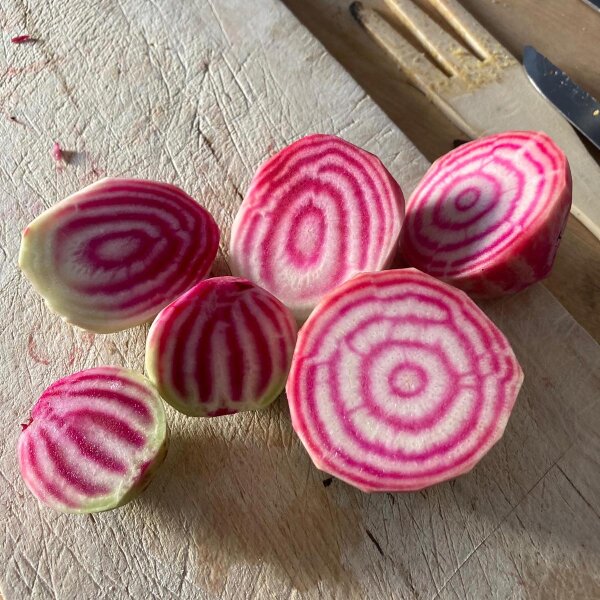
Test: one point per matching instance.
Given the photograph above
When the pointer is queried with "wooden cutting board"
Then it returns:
(199, 93)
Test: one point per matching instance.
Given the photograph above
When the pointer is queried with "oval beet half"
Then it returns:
(112, 255)
(488, 216)
(224, 346)
(94, 440)
(316, 214)
(399, 381)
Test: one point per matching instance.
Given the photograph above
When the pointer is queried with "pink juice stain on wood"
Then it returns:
(79, 351)
(30, 69)
(21, 39)
(57, 153)
(34, 351)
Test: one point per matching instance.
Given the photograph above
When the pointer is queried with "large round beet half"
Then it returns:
(94, 440)
(316, 214)
(400, 381)
(224, 346)
(112, 255)
(488, 216)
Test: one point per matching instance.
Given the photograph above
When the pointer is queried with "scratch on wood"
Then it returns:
(375, 542)
(578, 492)
(237, 191)
(208, 144)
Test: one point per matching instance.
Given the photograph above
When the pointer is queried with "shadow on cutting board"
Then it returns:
(247, 492)
(241, 493)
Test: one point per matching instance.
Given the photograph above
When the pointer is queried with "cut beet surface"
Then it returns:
(399, 382)
(112, 255)
(316, 214)
(224, 346)
(488, 216)
(94, 440)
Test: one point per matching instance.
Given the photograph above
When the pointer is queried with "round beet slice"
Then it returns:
(316, 214)
(400, 381)
(488, 216)
(112, 255)
(94, 440)
(224, 346)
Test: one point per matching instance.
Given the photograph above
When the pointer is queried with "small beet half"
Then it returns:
(225, 346)
(94, 440)
(399, 381)
(112, 255)
(316, 214)
(488, 216)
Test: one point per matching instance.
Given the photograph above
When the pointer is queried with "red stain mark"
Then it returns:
(80, 350)
(24, 426)
(72, 354)
(57, 153)
(33, 68)
(34, 352)
(270, 147)
(21, 39)
(26, 231)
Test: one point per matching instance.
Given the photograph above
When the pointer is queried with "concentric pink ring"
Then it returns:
(114, 254)
(316, 214)
(506, 236)
(348, 416)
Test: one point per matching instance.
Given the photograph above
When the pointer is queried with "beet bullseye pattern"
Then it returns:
(488, 216)
(223, 347)
(112, 255)
(316, 214)
(400, 381)
(94, 440)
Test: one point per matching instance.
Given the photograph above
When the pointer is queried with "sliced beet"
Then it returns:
(224, 346)
(400, 381)
(94, 440)
(114, 254)
(488, 216)
(316, 214)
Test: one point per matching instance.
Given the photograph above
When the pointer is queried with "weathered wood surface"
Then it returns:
(199, 93)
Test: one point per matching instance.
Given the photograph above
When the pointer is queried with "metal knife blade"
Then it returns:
(593, 3)
(581, 109)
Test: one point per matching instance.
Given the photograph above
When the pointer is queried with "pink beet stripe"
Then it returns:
(317, 213)
(114, 254)
(89, 436)
(399, 382)
(488, 216)
(224, 346)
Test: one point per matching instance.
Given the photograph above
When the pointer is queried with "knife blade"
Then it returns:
(593, 3)
(581, 109)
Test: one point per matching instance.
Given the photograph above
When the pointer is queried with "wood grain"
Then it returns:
(567, 31)
(198, 94)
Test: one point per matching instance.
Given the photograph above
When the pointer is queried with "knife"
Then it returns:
(581, 109)
(593, 3)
